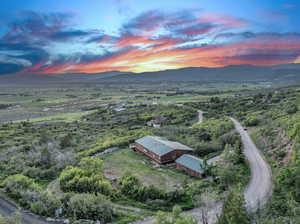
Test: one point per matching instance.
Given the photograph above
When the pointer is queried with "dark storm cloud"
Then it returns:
(45, 28)
(32, 24)
(70, 34)
(8, 68)
(33, 55)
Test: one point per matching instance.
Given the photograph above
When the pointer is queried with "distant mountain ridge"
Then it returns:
(237, 73)
(280, 73)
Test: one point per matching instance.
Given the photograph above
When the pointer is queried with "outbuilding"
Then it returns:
(160, 149)
(191, 165)
(157, 122)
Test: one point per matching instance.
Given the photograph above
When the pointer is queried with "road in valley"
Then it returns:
(259, 188)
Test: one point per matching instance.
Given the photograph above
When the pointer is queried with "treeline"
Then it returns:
(208, 138)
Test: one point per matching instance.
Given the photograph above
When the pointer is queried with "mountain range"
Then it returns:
(285, 73)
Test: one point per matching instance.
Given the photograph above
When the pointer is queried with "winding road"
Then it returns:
(259, 188)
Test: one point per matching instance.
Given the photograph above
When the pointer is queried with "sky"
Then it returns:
(93, 36)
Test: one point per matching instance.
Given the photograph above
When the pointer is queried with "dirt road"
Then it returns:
(200, 116)
(259, 188)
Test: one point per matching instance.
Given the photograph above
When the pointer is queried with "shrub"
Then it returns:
(251, 121)
(85, 179)
(230, 138)
(175, 217)
(131, 187)
(216, 127)
(46, 205)
(14, 185)
(90, 206)
(66, 141)
(205, 148)
(291, 108)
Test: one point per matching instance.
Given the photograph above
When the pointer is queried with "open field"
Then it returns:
(51, 102)
(118, 163)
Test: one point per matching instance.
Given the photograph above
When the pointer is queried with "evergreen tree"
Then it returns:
(234, 210)
(175, 217)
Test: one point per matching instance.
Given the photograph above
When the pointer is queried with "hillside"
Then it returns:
(288, 73)
(239, 73)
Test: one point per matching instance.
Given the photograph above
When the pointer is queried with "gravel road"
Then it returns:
(259, 188)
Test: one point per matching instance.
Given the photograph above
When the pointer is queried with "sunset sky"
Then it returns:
(91, 36)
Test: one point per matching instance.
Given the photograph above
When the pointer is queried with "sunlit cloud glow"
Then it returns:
(152, 40)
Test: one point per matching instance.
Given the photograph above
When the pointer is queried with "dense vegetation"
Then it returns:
(55, 165)
(51, 165)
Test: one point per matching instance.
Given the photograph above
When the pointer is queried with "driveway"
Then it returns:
(259, 189)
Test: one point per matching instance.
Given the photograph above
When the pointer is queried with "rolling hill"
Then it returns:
(235, 73)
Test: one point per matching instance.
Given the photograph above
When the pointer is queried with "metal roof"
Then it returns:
(191, 162)
(161, 146)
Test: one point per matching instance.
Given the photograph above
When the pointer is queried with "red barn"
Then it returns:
(160, 149)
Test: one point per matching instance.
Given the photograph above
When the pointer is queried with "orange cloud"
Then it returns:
(260, 51)
(146, 51)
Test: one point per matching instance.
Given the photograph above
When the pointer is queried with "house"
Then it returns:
(191, 165)
(157, 122)
(160, 149)
(119, 109)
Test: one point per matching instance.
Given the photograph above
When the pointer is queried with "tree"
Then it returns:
(14, 185)
(87, 178)
(91, 165)
(234, 209)
(90, 206)
(66, 141)
(175, 217)
(251, 121)
(46, 205)
(44, 137)
(291, 108)
(46, 158)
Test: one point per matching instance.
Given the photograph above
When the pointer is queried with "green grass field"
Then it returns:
(118, 163)
(66, 117)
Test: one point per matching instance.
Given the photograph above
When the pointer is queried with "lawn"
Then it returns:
(125, 160)
(67, 117)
